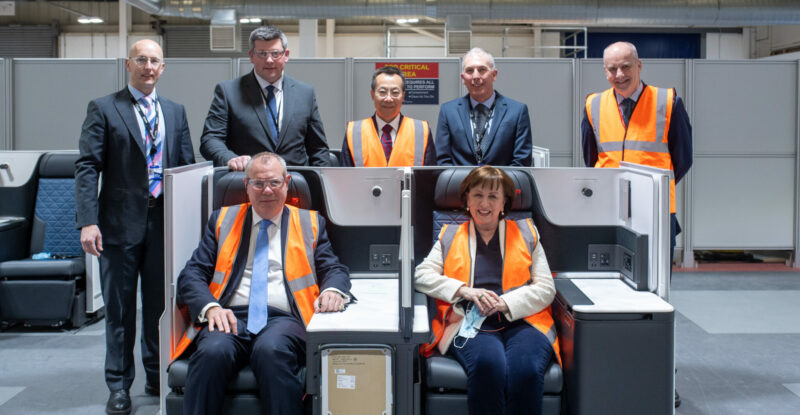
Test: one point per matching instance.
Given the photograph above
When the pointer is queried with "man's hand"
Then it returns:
(238, 163)
(223, 319)
(329, 301)
(91, 240)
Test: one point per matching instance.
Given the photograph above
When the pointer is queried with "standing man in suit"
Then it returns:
(483, 127)
(637, 123)
(264, 110)
(130, 137)
(402, 141)
(261, 271)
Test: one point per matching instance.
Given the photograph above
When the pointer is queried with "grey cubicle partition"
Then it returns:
(330, 81)
(745, 117)
(191, 82)
(546, 86)
(449, 88)
(5, 102)
(50, 98)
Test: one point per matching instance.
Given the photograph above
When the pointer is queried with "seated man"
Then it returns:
(388, 138)
(261, 271)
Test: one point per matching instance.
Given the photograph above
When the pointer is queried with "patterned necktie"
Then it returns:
(272, 114)
(627, 109)
(386, 140)
(257, 310)
(152, 145)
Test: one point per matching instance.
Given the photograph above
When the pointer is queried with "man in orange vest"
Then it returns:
(388, 139)
(637, 123)
(261, 271)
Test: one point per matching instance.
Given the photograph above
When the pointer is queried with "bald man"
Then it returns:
(130, 137)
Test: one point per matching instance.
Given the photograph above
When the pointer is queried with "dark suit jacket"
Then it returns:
(508, 142)
(195, 278)
(111, 143)
(428, 159)
(236, 124)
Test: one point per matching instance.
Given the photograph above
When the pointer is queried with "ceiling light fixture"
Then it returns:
(89, 20)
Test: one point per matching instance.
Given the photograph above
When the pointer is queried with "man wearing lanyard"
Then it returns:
(130, 137)
(483, 127)
(264, 110)
(638, 123)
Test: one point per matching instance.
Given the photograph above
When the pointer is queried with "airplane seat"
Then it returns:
(242, 392)
(445, 379)
(50, 291)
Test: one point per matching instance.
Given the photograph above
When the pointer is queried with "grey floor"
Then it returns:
(738, 352)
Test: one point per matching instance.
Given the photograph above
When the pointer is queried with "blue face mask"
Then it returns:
(470, 324)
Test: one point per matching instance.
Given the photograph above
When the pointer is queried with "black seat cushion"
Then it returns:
(245, 380)
(444, 372)
(46, 268)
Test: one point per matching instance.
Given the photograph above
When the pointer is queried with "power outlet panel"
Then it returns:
(611, 258)
(384, 257)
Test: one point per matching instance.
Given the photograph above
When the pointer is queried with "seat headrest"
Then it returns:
(229, 190)
(58, 165)
(446, 195)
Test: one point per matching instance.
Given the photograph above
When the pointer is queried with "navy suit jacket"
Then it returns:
(507, 143)
(195, 278)
(236, 124)
(111, 143)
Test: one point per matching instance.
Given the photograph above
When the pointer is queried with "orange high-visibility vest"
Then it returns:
(408, 149)
(299, 270)
(521, 239)
(644, 141)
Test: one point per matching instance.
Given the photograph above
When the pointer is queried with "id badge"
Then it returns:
(155, 172)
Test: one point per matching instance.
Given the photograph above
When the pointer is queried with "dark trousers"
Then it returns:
(674, 230)
(506, 368)
(120, 268)
(276, 355)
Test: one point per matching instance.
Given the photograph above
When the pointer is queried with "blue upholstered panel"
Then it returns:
(55, 205)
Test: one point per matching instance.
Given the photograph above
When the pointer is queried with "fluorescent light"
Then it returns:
(401, 21)
(412, 20)
(250, 20)
(89, 20)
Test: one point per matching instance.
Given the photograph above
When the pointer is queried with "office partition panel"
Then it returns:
(5, 102)
(191, 82)
(51, 96)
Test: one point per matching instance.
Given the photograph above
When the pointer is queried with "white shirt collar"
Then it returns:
(137, 95)
(276, 220)
(488, 103)
(395, 123)
(263, 83)
(634, 96)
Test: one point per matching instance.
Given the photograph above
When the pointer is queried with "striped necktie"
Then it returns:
(152, 145)
(386, 140)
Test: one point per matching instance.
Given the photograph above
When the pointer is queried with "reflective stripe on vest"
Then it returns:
(299, 270)
(408, 149)
(521, 239)
(645, 139)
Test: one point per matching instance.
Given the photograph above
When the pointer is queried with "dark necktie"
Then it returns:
(627, 109)
(481, 120)
(386, 140)
(257, 309)
(272, 115)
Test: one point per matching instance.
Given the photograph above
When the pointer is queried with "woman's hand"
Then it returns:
(486, 300)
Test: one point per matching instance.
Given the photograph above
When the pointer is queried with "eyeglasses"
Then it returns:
(141, 61)
(261, 184)
(274, 54)
(383, 93)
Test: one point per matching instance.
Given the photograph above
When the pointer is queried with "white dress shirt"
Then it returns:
(395, 123)
(278, 91)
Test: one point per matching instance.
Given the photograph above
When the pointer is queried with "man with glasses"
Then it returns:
(388, 138)
(264, 110)
(251, 298)
(483, 127)
(130, 137)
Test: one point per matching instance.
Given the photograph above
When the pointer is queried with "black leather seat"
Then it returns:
(242, 392)
(445, 379)
(49, 291)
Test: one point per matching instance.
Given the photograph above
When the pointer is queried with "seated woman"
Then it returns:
(493, 291)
